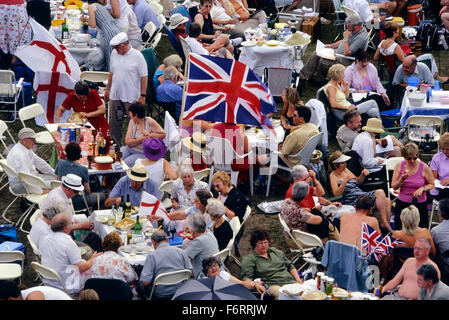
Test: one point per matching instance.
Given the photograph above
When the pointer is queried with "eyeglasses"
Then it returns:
(414, 158)
(216, 185)
(420, 249)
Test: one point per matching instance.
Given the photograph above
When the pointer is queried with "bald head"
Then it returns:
(59, 222)
(409, 64)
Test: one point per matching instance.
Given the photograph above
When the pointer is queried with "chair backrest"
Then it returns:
(151, 30)
(171, 278)
(185, 46)
(222, 153)
(287, 231)
(3, 128)
(7, 84)
(157, 8)
(31, 180)
(55, 184)
(11, 256)
(307, 240)
(278, 79)
(222, 255)
(30, 112)
(110, 289)
(425, 121)
(94, 76)
(247, 214)
(33, 245)
(10, 171)
(201, 174)
(389, 166)
(166, 186)
(35, 216)
(235, 225)
(349, 11)
(306, 152)
(321, 95)
(47, 273)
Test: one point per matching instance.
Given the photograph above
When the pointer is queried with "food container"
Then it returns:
(125, 224)
(444, 100)
(314, 295)
(103, 162)
(416, 99)
(340, 294)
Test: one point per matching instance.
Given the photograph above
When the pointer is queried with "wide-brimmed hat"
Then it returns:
(26, 133)
(73, 182)
(118, 38)
(196, 143)
(154, 149)
(177, 19)
(137, 173)
(374, 125)
(342, 158)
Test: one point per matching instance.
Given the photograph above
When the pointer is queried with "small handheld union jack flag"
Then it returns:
(225, 90)
(385, 246)
(370, 238)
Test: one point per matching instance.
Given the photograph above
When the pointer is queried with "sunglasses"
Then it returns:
(216, 185)
(409, 159)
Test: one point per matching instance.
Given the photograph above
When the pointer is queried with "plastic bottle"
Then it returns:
(429, 95)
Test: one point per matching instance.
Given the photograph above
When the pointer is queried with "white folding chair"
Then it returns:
(3, 129)
(97, 76)
(34, 186)
(32, 111)
(10, 269)
(277, 79)
(151, 29)
(170, 278)
(156, 6)
(11, 173)
(309, 242)
(185, 47)
(235, 226)
(389, 166)
(55, 184)
(10, 91)
(297, 252)
(432, 124)
(222, 154)
(36, 215)
(201, 174)
(222, 255)
(48, 273)
(33, 245)
(435, 206)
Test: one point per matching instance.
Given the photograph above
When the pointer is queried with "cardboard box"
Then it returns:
(311, 26)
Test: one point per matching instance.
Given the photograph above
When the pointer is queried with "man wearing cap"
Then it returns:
(127, 83)
(410, 67)
(22, 158)
(365, 145)
(136, 180)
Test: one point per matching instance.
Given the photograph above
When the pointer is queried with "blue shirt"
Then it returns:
(144, 14)
(170, 92)
(123, 188)
(64, 167)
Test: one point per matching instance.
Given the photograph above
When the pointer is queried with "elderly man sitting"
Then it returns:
(354, 38)
(410, 67)
(22, 158)
(169, 91)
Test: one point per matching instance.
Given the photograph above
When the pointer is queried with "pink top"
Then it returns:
(411, 184)
(367, 82)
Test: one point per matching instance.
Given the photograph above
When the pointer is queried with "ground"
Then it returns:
(257, 218)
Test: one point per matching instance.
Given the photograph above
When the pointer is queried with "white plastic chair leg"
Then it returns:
(6, 210)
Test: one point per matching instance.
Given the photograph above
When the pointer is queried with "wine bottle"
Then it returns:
(128, 206)
(137, 226)
(122, 204)
(111, 217)
(65, 31)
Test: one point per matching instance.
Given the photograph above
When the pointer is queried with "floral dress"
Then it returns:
(14, 27)
(112, 266)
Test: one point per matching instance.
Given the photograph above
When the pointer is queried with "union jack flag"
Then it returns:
(370, 238)
(225, 90)
(384, 247)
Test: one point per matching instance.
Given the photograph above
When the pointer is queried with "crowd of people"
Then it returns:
(206, 212)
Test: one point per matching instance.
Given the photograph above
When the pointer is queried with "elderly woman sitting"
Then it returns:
(440, 168)
(203, 244)
(139, 129)
(212, 268)
(183, 191)
(268, 264)
(222, 229)
(171, 60)
(110, 265)
(297, 218)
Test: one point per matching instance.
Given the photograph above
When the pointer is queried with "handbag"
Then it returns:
(8, 232)
(321, 230)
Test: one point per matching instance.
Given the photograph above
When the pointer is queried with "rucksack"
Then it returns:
(428, 36)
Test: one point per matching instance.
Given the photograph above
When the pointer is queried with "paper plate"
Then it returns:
(272, 43)
(248, 43)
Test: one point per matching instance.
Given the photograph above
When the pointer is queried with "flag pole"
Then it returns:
(186, 75)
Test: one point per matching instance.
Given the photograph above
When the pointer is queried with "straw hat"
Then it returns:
(137, 173)
(196, 143)
(374, 125)
(177, 19)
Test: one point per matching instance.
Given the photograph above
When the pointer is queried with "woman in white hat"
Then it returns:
(345, 183)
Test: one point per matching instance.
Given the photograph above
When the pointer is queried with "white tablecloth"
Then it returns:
(428, 109)
(260, 57)
(256, 141)
(80, 54)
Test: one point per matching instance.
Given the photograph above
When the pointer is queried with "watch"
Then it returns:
(143, 95)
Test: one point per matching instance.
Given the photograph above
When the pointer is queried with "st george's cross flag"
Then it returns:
(225, 90)
(56, 71)
(151, 206)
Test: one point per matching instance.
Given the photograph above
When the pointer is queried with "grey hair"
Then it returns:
(170, 73)
(172, 60)
(354, 19)
(186, 169)
(215, 208)
(53, 210)
(59, 221)
(299, 171)
(196, 222)
(159, 236)
(300, 190)
(425, 241)
(410, 219)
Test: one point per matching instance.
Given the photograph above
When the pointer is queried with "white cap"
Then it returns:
(119, 38)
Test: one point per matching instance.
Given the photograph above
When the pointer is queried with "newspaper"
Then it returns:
(323, 52)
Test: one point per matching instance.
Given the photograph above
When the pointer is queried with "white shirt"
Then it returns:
(122, 21)
(39, 231)
(127, 69)
(362, 7)
(50, 293)
(57, 196)
(20, 158)
(364, 146)
(196, 47)
(218, 12)
(134, 32)
(60, 252)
